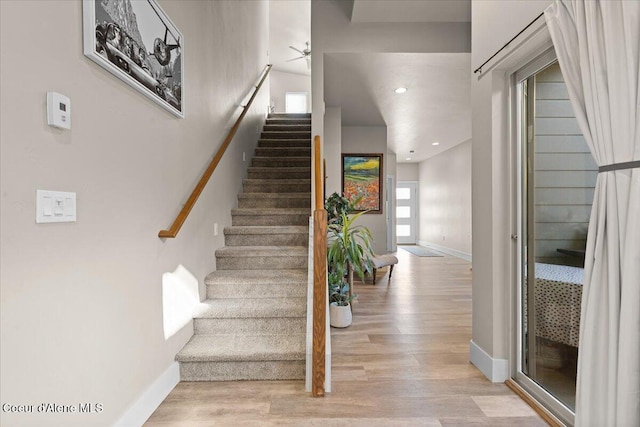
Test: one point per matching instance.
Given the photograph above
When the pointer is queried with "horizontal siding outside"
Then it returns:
(561, 144)
(557, 126)
(551, 90)
(550, 74)
(565, 173)
(563, 231)
(566, 179)
(554, 108)
(564, 196)
(565, 162)
(562, 213)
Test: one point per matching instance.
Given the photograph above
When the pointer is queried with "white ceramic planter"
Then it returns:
(340, 316)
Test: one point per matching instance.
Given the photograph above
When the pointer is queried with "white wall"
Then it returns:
(332, 31)
(495, 22)
(333, 149)
(445, 199)
(407, 171)
(493, 200)
(81, 310)
(391, 164)
(282, 82)
(370, 139)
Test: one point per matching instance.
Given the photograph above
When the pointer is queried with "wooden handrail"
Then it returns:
(191, 201)
(319, 278)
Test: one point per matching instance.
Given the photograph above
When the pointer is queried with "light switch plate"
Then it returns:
(55, 206)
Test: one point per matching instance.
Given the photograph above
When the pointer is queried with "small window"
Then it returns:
(296, 102)
(403, 230)
(403, 193)
(403, 211)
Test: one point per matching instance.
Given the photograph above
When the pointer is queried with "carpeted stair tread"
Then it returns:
(227, 284)
(275, 235)
(289, 127)
(271, 211)
(280, 152)
(284, 121)
(270, 216)
(292, 172)
(289, 116)
(274, 200)
(266, 229)
(275, 196)
(278, 186)
(284, 143)
(234, 348)
(260, 251)
(275, 182)
(279, 162)
(302, 182)
(236, 308)
(233, 290)
(251, 277)
(285, 135)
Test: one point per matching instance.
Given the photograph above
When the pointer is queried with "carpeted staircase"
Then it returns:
(253, 326)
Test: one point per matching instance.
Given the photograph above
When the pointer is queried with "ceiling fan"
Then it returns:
(306, 54)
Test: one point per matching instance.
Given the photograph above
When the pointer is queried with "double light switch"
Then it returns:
(55, 206)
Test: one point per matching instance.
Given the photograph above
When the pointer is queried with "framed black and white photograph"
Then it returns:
(137, 42)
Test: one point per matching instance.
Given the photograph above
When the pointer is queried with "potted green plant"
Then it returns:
(336, 205)
(349, 247)
(340, 315)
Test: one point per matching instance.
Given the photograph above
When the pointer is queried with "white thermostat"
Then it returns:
(58, 110)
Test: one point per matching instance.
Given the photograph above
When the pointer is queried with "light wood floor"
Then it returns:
(403, 362)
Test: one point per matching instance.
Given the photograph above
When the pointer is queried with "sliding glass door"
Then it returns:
(557, 176)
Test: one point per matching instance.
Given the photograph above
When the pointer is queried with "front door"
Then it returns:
(407, 212)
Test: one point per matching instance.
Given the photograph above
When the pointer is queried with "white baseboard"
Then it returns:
(497, 370)
(153, 396)
(444, 249)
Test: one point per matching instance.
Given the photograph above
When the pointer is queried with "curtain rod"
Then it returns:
(479, 69)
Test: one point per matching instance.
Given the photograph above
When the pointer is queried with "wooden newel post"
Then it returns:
(319, 278)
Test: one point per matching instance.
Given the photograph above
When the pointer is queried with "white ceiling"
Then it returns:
(411, 11)
(437, 105)
(435, 108)
(289, 25)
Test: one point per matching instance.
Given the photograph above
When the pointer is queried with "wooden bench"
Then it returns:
(380, 261)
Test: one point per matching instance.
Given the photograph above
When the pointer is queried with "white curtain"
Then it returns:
(598, 48)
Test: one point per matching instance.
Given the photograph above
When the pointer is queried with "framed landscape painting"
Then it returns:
(137, 42)
(362, 178)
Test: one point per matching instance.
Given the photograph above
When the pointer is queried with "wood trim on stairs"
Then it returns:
(193, 198)
(319, 278)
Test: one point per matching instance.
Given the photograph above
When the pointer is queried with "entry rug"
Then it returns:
(421, 251)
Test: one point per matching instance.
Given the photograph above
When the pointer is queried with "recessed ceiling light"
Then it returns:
(408, 158)
(400, 90)
(435, 143)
